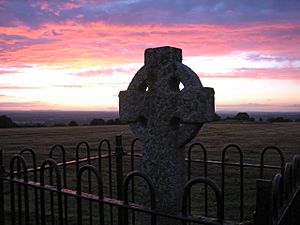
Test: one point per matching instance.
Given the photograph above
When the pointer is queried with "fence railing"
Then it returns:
(74, 192)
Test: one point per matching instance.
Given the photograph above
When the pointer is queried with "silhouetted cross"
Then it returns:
(165, 118)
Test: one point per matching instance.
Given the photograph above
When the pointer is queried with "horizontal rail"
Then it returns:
(212, 162)
(236, 164)
(119, 203)
(71, 162)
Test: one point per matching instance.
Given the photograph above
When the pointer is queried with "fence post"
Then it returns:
(2, 171)
(119, 165)
(263, 212)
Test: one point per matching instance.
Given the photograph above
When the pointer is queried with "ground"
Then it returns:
(251, 137)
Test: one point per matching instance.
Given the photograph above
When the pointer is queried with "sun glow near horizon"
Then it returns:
(66, 90)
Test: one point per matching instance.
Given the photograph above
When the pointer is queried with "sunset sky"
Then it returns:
(78, 54)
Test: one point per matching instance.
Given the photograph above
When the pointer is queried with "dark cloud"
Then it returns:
(246, 105)
(69, 86)
(104, 72)
(16, 42)
(261, 57)
(23, 105)
(254, 105)
(36, 12)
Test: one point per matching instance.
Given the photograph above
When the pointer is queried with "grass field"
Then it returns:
(251, 137)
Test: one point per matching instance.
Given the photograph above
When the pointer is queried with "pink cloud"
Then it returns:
(254, 73)
(11, 87)
(73, 44)
(4, 72)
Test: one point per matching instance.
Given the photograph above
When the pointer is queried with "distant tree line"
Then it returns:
(6, 122)
(93, 122)
(242, 116)
(280, 120)
(99, 121)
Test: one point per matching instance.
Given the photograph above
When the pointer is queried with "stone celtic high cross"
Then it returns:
(166, 118)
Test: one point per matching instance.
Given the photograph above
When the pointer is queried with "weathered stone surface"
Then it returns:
(165, 118)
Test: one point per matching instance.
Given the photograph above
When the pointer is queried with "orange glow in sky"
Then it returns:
(78, 54)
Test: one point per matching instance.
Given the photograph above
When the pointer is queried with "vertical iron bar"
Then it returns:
(65, 186)
(263, 212)
(110, 183)
(241, 189)
(189, 177)
(37, 219)
(90, 191)
(12, 202)
(79, 216)
(205, 185)
(223, 178)
(2, 170)
(132, 181)
(78, 191)
(42, 201)
(119, 161)
(51, 198)
(60, 208)
(26, 202)
(19, 194)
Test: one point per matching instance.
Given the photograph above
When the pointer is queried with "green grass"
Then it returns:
(251, 137)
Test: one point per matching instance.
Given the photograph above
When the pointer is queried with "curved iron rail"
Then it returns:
(64, 165)
(92, 169)
(213, 186)
(34, 166)
(52, 165)
(148, 180)
(233, 146)
(105, 141)
(205, 173)
(132, 165)
(277, 195)
(88, 153)
(262, 158)
(20, 160)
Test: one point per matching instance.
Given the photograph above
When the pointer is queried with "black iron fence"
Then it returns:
(93, 189)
